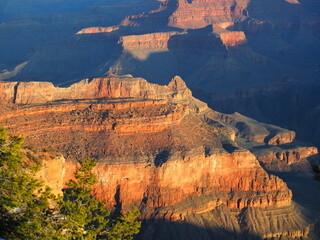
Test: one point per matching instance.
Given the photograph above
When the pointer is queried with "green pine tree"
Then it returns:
(24, 205)
(123, 227)
(86, 217)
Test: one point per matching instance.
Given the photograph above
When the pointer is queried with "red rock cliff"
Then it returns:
(108, 87)
(200, 13)
(157, 147)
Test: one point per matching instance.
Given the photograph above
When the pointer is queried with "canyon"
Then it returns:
(215, 161)
(164, 151)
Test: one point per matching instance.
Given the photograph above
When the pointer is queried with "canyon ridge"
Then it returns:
(205, 155)
(161, 149)
(238, 56)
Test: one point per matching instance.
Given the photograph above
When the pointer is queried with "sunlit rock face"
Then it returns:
(200, 13)
(160, 149)
(157, 146)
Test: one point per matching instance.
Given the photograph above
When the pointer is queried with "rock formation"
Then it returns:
(92, 30)
(167, 151)
(142, 46)
(157, 148)
(232, 39)
(200, 13)
(275, 148)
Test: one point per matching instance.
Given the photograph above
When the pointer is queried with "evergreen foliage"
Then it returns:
(85, 216)
(26, 207)
(123, 227)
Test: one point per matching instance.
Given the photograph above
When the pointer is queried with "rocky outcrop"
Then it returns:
(200, 13)
(141, 46)
(292, 158)
(256, 223)
(224, 224)
(93, 30)
(166, 185)
(254, 131)
(146, 41)
(52, 171)
(108, 87)
(232, 39)
(157, 148)
(274, 147)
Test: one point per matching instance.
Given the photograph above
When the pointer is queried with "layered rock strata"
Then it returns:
(108, 87)
(92, 30)
(157, 147)
(275, 148)
(141, 46)
(200, 13)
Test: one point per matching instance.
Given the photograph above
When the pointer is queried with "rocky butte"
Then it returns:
(193, 172)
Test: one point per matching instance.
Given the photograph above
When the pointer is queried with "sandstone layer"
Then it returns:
(92, 30)
(108, 88)
(200, 13)
(141, 46)
(227, 52)
(275, 148)
(157, 148)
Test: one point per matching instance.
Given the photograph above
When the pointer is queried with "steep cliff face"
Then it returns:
(195, 14)
(141, 46)
(200, 13)
(223, 174)
(147, 41)
(52, 172)
(108, 87)
(157, 148)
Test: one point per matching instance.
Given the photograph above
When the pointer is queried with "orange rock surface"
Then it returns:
(200, 13)
(147, 41)
(141, 46)
(108, 87)
(157, 147)
(232, 39)
(283, 160)
(92, 30)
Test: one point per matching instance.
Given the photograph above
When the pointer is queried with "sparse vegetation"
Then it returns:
(28, 210)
